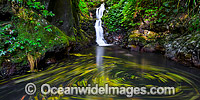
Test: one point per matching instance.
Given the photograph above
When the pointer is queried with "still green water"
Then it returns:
(108, 65)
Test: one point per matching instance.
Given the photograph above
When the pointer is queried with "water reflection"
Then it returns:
(99, 57)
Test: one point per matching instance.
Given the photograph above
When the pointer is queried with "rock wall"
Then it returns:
(5, 10)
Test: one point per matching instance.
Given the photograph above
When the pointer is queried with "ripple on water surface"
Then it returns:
(109, 65)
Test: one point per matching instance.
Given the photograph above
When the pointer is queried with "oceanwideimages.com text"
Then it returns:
(46, 89)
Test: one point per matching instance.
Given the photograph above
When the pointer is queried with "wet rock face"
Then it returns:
(63, 18)
(5, 16)
(92, 12)
(5, 11)
(7, 69)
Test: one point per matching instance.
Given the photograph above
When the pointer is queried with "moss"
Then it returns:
(35, 36)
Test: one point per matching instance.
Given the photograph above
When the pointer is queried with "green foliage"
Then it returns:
(83, 7)
(30, 40)
(114, 17)
(34, 5)
(180, 18)
(29, 33)
(91, 4)
(127, 13)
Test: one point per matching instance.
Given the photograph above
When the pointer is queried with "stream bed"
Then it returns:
(108, 65)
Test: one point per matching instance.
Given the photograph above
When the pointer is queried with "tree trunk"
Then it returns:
(64, 16)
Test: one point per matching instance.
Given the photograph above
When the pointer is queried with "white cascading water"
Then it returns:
(98, 27)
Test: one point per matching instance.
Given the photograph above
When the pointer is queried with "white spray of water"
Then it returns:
(98, 27)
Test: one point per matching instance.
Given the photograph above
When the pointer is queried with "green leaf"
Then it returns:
(21, 47)
(190, 28)
(166, 4)
(175, 10)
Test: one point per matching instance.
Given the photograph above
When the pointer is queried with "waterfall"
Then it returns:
(98, 27)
